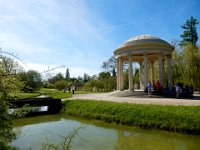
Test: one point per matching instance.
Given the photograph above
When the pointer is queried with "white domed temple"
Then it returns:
(145, 50)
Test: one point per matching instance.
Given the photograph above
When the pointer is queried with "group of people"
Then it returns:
(69, 88)
(183, 91)
(156, 88)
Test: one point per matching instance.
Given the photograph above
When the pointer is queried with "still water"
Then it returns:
(97, 135)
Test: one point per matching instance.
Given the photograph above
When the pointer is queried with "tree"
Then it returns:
(137, 76)
(178, 66)
(110, 66)
(61, 84)
(55, 78)
(186, 59)
(8, 83)
(190, 32)
(86, 78)
(32, 80)
(191, 65)
(104, 75)
(67, 75)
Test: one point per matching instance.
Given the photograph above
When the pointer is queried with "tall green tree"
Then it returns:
(190, 32)
(61, 84)
(110, 66)
(191, 65)
(67, 75)
(136, 76)
(186, 60)
(8, 83)
(32, 80)
(86, 78)
(56, 78)
(104, 75)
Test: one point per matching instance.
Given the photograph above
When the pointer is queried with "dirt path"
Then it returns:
(136, 100)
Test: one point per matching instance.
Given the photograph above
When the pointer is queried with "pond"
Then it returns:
(97, 135)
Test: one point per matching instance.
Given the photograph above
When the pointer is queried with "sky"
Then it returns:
(82, 34)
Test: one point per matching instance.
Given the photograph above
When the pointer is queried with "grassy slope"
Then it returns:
(185, 119)
(49, 92)
(21, 95)
(55, 93)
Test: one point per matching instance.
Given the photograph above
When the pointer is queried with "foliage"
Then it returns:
(78, 84)
(8, 75)
(104, 76)
(67, 144)
(51, 86)
(8, 83)
(56, 78)
(186, 58)
(6, 133)
(191, 65)
(190, 32)
(184, 119)
(61, 84)
(177, 65)
(5, 147)
(67, 75)
(136, 76)
(32, 80)
(186, 65)
(86, 78)
(110, 66)
(107, 84)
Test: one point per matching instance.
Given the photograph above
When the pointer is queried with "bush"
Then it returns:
(61, 84)
(51, 86)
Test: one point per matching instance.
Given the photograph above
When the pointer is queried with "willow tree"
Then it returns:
(186, 57)
(191, 64)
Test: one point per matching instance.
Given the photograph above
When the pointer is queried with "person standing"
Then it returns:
(149, 87)
(177, 90)
(73, 89)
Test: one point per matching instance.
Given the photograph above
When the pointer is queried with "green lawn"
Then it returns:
(184, 119)
(21, 95)
(49, 92)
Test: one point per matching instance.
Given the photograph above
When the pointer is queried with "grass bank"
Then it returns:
(55, 93)
(49, 92)
(183, 119)
(22, 95)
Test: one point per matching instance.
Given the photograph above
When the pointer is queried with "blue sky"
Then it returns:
(82, 34)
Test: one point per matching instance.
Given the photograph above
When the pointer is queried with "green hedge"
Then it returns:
(184, 119)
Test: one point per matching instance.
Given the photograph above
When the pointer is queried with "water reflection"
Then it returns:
(98, 135)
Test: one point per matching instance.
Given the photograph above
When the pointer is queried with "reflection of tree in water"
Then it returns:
(36, 120)
(155, 140)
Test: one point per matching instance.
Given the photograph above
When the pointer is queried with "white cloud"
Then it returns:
(50, 33)
(52, 69)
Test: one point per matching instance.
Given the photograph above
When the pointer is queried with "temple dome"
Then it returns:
(144, 41)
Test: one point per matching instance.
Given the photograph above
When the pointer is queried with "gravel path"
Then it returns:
(136, 100)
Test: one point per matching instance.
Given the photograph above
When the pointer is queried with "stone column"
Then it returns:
(161, 69)
(145, 70)
(141, 76)
(169, 70)
(152, 72)
(118, 74)
(130, 73)
(121, 74)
